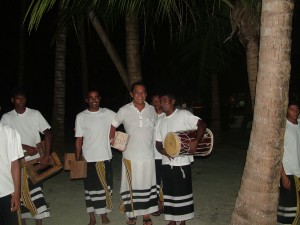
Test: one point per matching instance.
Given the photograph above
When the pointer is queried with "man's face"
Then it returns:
(139, 94)
(19, 102)
(167, 104)
(293, 112)
(156, 102)
(93, 100)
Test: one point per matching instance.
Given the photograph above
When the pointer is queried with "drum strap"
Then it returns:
(100, 167)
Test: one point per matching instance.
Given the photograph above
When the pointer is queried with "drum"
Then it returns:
(177, 143)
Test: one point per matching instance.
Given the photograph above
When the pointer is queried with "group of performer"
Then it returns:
(152, 182)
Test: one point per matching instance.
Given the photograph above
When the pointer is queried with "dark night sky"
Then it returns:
(39, 66)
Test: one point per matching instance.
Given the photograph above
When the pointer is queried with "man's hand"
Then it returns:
(15, 203)
(193, 146)
(166, 154)
(31, 150)
(44, 160)
(286, 182)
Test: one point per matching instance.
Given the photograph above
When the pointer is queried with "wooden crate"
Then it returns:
(78, 169)
(68, 157)
(33, 167)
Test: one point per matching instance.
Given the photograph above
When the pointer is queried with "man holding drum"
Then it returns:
(30, 124)
(138, 183)
(176, 172)
(91, 131)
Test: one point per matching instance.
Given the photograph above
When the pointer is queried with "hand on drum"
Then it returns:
(166, 154)
(193, 146)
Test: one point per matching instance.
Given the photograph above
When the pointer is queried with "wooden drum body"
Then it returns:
(178, 143)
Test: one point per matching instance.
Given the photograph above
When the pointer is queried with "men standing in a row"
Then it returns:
(30, 123)
(158, 157)
(10, 152)
(92, 141)
(176, 172)
(138, 181)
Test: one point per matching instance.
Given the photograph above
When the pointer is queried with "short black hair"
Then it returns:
(136, 84)
(293, 102)
(169, 95)
(18, 91)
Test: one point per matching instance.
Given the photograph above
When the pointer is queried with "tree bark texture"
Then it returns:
(133, 49)
(258, 195)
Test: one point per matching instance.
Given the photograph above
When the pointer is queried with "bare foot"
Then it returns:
(105, 219)
(92, 219)
(172, 223)
(182, 223)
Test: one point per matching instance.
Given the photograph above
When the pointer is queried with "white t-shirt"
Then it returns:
(179, 120)
(140, 127)
(29, 125)
(291, 154)
(94, 127)
(157, 154)
(10, 150)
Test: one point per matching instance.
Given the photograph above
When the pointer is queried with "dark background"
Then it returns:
(156, 61)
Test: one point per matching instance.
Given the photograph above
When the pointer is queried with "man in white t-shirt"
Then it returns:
(176, 172)
(138, 182)
(155, 101)
(30, 123)
(288, 208)
(10, 152)
(92, 141)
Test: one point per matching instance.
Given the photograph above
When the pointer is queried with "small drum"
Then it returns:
(177, 143)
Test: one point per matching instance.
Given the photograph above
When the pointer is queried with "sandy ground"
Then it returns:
(216, 180)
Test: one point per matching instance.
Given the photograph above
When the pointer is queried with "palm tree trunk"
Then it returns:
(58, 115)
(110, 49)
(252, 67)
(83, 56)
(133, 49)
(258, 195)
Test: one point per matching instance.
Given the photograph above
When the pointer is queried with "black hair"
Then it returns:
(137, 83)
(169, 95)
(18, 91)
(293, 102)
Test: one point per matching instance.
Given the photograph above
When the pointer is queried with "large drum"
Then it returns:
(178, 143)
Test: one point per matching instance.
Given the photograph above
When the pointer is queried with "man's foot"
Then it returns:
(172, 223)
(105, 219)
(147, 221)
(92, 219)
(182, 223)
(131, 221)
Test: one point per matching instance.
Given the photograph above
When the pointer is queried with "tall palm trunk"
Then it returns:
(58, 115)
(133, 49)
(83, 56)
(252, 49)
(258, 195)
(110, 49)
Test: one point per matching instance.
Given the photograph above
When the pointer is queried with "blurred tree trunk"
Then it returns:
(110, 49)
(258, 195)
(83, 56)
(133, 49)
(58, 115)
(215, 108)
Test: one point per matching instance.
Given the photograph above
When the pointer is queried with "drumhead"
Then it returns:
(172, 144)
